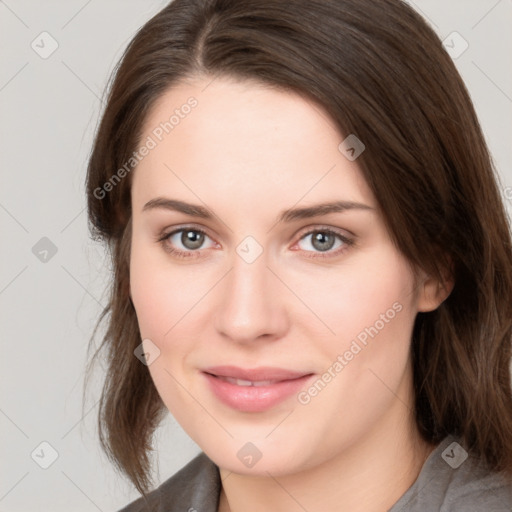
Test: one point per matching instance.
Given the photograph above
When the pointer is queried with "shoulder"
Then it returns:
(452, 480)
(196, 486)
(475, 488)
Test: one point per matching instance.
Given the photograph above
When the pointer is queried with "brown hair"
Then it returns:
(382, 74)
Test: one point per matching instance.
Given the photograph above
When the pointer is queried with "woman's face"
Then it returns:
(278, 332)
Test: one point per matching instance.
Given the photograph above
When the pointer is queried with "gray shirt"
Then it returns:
(451, 480)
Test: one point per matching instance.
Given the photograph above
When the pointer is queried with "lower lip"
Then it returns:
(254, 398)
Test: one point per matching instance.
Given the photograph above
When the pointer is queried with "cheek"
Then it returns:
(148, 296)
(160, 298)
(162, 293)
(370, 307)
(368, 297)
(168, 300)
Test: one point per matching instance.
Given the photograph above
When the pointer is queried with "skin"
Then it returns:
(248, 152)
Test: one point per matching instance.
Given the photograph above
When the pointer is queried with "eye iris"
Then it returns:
(192, 239)
(323, 241)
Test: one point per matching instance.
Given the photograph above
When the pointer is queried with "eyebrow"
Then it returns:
(285, 216)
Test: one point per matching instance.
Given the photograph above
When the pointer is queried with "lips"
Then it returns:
(254, 390)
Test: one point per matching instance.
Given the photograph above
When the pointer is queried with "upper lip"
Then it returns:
(255, 374)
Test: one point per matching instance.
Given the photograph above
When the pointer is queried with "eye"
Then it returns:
(324, 240)
(187, 240)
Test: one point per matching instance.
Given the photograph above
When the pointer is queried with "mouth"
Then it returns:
(254, 390)
(242, 382)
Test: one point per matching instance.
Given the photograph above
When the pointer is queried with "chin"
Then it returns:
(259, 458)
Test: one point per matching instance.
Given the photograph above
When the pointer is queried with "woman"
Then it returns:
(312, 263)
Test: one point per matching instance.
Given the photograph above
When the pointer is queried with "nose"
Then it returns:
(252, 305)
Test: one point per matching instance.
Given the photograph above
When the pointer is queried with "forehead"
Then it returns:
(244, 138)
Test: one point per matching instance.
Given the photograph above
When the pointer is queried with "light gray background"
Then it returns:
(49, 110)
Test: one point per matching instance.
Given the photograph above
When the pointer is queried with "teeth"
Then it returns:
(241, 382)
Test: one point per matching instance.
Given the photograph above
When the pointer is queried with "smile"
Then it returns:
(256, 390)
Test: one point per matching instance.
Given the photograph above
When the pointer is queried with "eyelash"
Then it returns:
(164, 238)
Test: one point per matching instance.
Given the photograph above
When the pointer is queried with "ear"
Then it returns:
(432, 292)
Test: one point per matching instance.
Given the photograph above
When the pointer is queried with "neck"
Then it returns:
(370, 476)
